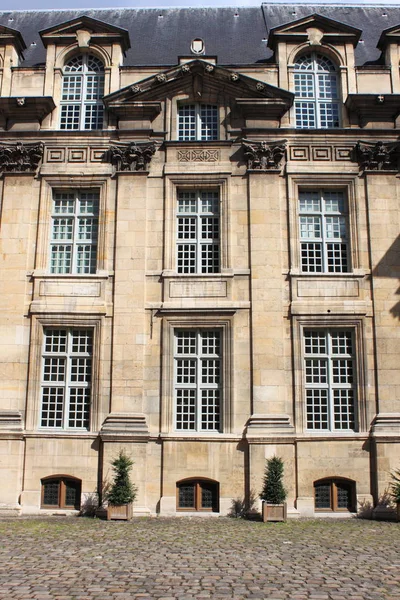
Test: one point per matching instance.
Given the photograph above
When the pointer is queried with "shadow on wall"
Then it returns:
(389, 267)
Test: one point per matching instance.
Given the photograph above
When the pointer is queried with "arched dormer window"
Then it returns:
(82, 93)
(316, 86)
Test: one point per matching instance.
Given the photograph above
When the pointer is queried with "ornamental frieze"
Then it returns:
(263, 155)
(131, 156)
(19, 157)
(377, 156)
(198, 155)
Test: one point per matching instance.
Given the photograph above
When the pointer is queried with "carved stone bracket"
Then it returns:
(131, 156)
(264, 155)
(377, 156)
(20, 157)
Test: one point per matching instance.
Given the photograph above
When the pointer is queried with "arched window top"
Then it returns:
(198, 494)
(316, 87)
(61, 491)
(84, 62)
(335, 494)
(82, 93)
(315, 62)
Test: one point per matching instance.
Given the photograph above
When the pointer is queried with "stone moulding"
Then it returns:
(262, 155)
(377, 156)
(20, 158)
(131, 156)
(125, 426)
(266, 426)
(11, 420)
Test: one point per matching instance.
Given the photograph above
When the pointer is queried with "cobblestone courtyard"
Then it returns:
(167, 559)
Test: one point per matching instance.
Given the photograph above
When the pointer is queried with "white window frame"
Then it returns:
(63, 373)
(82, 90)
(327, 250)
(172, 324)
(198, 252)
(197, 122)
(68, 228)
(198, 377)
(329, 377)
(317, 92)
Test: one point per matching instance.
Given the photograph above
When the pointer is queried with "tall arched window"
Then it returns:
(316, 86)
(82, 93)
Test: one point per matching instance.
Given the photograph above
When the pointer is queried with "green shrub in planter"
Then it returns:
(122, 490)
(395, 486)
(273, 491)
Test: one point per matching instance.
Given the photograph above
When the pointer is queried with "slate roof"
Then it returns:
(159, 36)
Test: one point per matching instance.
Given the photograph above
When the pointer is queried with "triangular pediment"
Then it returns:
(12, 37)
(198, 78)
(299, 31)
(389, 36)
(100, 32)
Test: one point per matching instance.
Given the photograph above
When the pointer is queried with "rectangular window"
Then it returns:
(74, 231)
(198, 232)
(197, 122)
(323, 220)
(198, 374)
(329, 376)
(66, 378)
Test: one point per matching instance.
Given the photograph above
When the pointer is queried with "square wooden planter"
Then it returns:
(123, 512)
(274, 512)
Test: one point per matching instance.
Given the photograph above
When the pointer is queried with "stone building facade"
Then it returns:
(200, 215)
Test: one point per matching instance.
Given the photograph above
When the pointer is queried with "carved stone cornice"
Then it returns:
(263, 155)
(131, 156)
(377, 156)
(19, 157)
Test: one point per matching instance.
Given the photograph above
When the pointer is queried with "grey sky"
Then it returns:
(65, 4)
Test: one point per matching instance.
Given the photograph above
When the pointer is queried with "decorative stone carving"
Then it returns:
(131, 156)
(161, 77)
(198, 155)
(185, 69)
(135, 89)
(378, 156)
(209, 68)
(260, 87)
(264, 155)
(234, 77)
(20, 157)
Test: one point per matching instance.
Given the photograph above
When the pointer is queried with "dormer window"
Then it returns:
(82, 93)
(197, 122)
(316, 87)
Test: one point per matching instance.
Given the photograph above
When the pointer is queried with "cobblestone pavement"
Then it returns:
(195, 558)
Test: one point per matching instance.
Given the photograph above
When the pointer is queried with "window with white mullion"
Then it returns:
(197, 122)
(82, 93)
(329, 380)
(66, 378)
(197, 380)
(73, 246)
(316, 87)
(198, 232)
(323, 231)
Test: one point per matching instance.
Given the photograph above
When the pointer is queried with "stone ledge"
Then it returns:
(386, 425)
(125, 426)
(10, 421)
(267, 426)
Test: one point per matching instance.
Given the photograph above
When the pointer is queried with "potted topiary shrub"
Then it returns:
(395, 490)
(122, 491)
(273, 494)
